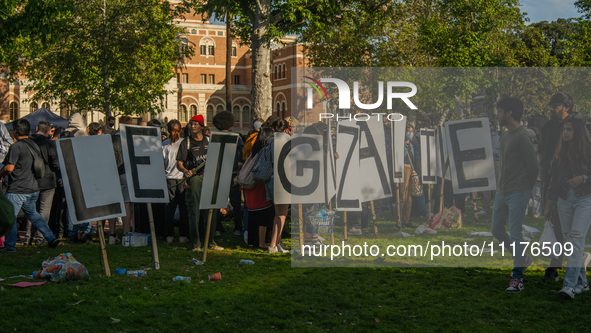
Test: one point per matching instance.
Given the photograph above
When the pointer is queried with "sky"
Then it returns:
(549, 10)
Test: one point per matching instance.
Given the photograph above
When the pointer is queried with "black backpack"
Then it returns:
(38, 161)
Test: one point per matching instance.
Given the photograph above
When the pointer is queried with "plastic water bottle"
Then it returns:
(140, 272)
(182, 278)
(246, 261)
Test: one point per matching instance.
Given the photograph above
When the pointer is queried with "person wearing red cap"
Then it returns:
(192, 153)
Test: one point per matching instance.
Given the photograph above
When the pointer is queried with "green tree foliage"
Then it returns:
(259, 23)
(95, 55)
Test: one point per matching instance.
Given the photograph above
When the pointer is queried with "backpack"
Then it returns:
(245, 177)
(263, 168)
(38, 161)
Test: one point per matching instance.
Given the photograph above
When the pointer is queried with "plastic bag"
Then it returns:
(61, 268)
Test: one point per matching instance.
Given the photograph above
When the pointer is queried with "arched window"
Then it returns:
(182, 113)
(193, 111)
(275, 72)
(236, 113)
(283, 109)
(209, 113)
(283, 71)
(246, 114)
(13, 108)
(45, 105)
(206, 47)
(33, 107)
(277, 108)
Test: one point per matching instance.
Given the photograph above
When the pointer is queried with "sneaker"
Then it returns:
(6, 250)
(216, 248)
(197, 249)
(54, 243)
(551, 275)
(515, 285)
(482, 212)
(237, 233)
(272, 249)
(183, 240)
(355, 232)
(586, 259)
(282, 249)
(169, 239)
(567, 293)
(579, 288)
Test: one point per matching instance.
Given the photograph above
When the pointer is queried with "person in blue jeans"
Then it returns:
(570, 189)
(518, 169)
(22, 189)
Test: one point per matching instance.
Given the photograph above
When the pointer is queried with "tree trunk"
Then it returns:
(105, 71)
(229, 64)
(261, 62)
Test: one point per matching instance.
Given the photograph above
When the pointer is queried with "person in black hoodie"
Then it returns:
(561, 107)
(570, 190)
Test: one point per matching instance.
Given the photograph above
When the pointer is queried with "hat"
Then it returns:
(257, 125)
(199, 118)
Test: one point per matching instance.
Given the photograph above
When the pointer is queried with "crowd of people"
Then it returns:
(42, 199)
(548, 170)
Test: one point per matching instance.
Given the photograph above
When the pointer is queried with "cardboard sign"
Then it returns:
(398, 134)
(372, 160)
(348, 176)
(217, 177)
(330, 175)
(299, 169)
(442, 170)
(144, 164)
(92, 193)
(471, 156)
(428, 157)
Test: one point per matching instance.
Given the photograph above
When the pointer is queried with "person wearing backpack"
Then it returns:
(47, 183)
(22, 189)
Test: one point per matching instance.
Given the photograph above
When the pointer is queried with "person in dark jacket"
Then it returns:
(561, 107)
(570, 191)
(46, 184)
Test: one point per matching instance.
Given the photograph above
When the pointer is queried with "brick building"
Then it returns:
(197, 88)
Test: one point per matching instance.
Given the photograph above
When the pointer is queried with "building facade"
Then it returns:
(198, 87)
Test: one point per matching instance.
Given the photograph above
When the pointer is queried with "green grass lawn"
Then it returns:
(273, 295)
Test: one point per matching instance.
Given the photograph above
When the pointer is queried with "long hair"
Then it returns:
(263, 138)
(574, 155)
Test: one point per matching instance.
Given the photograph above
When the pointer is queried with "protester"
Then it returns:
(22, 189)
(176, 186)
(47, 184)
(281, 210)
(76, 126)
(570, 190)
(5, 141)
(405, 189)
(561, 107)
(193, 153)
(252, 136)
(224, 121)
(518, 172)
(260, 208)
